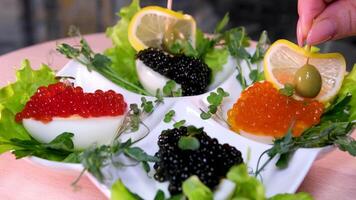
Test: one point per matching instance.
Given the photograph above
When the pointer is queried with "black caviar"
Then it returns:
(210, 162)
(192, 74)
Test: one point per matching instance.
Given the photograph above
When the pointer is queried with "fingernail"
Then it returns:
(321, 31)
(299, 34)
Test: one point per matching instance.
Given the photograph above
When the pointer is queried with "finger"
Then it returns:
(300, 36)
(337, 21)
(307, 10)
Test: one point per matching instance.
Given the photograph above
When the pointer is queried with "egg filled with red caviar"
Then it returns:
(93, 118)
(263, 111)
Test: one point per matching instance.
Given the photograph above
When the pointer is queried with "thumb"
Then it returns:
(338, 20)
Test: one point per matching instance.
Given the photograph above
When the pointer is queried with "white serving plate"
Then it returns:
(188, 108)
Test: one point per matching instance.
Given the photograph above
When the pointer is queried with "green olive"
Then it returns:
(172, 35)
(307, 81)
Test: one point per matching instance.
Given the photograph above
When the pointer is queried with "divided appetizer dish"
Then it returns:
(169, 112)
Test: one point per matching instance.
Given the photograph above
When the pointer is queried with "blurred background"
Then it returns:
(27, 22)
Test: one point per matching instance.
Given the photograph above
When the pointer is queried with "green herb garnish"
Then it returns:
(246, 187)
(147, 106)
(333, 129)
(222, 24)
(13, 136)
(168, 117)
(170, 90)
(261, 48)
(95, 158)
(287, 90)
(120, 192)
(205, 48)
(178, 124)
(188, 143)
(240, 77)
(215, 100)
(58, 149)
(98, 62)
(122, 54)
(159, 195)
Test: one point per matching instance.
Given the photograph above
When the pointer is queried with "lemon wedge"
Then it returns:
(148, 26)
(284, 58)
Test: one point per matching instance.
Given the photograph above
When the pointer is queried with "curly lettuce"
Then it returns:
(13, 136)
(122, 54)
(13, 98)
(349, 86)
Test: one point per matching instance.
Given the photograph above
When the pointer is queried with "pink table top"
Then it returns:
(332, 177)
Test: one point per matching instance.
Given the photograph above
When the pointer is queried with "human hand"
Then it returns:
(322, 20)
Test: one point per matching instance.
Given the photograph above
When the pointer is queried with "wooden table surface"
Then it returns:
(331, 178)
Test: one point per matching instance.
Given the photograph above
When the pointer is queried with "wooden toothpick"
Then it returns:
(308, 48)
(169, 4)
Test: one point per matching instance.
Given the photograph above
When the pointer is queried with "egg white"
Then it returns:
(87, 131)
(150, 79)
(259, 138)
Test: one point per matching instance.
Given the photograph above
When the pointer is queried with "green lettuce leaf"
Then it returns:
(216, 59)
(194, 189)
(13, 136)
(120, 192)
(298, 196)
(247, 187)
(349, 86)
(122, 54)
(14, 97)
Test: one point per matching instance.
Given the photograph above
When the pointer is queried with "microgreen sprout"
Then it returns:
(215, 100)
(168, 117)
(180, 123)
(190, 142)
(287, 90)
(170, 90)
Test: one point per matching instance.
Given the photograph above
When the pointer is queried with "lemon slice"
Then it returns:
(147, 27)
(284, 58)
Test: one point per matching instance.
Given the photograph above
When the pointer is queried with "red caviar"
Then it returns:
(61, 100)
(262, 110)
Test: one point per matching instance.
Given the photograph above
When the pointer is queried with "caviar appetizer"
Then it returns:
(187, 151)
(298, 88)
(155, 46)
(305, 101)
(13, 135)
(59, 122)
(262, 110)
(60, 107)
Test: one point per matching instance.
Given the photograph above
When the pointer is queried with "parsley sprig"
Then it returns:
(95, 61)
